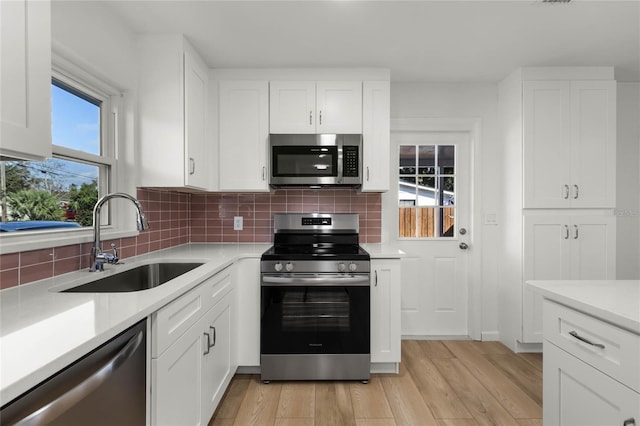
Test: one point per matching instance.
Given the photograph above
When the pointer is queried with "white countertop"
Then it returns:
(43, 331)
(614, 301)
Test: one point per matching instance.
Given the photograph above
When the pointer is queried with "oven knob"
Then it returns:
(278, 267)
(353, 267)
(342, 267)
(289, 267)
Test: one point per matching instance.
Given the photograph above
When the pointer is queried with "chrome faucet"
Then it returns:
(98, 257)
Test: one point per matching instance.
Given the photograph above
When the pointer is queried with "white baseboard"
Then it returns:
(435, 337)
(490, 336)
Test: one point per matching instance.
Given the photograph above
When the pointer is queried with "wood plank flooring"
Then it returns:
(441, 383)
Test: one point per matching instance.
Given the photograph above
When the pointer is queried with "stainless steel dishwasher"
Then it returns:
(105, 387)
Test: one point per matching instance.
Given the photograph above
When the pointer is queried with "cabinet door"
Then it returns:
(593, 247)
(547, 146)
(195, 113)
(547, 245)
(177, 381)
(339, 107)
(385, 310)
(292, 107)
(216, 369)
(376, 135)
(25, 79)
(593, 144)
(244, 135)
(577, 394)
(247, 277)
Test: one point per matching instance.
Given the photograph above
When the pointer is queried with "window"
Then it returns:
(61, 191)
(426, 191)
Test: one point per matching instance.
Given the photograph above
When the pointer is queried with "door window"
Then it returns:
(427, 191)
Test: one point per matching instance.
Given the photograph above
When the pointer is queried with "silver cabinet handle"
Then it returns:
(575, 197)
(206, 351)
(310, 118)
(264, 173)
(376, 278)
(587, 341)
(575, 235)
(192, 165)
(312, 280)
(67, 400)
(213, 329)
(566, 192)
(566, 232)
(367, 173)
(629, 422)
(320, 118)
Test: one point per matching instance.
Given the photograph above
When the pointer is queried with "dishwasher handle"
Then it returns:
(67, 400)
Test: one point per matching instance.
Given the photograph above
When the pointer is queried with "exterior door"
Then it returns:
(431, 171)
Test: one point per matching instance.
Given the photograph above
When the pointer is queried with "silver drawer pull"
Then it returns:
(629, 422)
(587, 341)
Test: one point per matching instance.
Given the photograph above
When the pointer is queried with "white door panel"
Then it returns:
(435, 281)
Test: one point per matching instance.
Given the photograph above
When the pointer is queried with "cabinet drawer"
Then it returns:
(171, 321)
(614, 351)
(216, 287)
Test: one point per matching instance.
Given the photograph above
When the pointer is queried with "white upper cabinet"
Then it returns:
(376, 118)
(315, 107)
(173, 93)
(569, 132)
(25, 79)
(244, 135)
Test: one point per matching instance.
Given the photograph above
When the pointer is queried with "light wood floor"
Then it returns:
(442, 383)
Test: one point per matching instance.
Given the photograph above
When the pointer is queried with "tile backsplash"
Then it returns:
(178, 218)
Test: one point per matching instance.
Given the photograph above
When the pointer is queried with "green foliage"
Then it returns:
(83, 199)
(17, 176)
(35, 205)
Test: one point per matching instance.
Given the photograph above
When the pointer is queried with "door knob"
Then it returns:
(463, 246)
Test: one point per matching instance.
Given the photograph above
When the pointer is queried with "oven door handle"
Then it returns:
(332, 280)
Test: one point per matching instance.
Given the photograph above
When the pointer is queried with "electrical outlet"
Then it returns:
(237, 223)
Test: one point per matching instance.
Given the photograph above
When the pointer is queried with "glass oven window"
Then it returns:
(313, 320)
(305, 161)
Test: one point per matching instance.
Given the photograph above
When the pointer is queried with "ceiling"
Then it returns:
(439, 41)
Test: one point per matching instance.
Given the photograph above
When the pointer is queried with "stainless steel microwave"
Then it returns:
(315, 160)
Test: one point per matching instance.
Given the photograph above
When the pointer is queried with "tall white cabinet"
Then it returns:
(173, 112)
(559, 135)
(25, 79)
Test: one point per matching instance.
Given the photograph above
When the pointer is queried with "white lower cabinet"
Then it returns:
(590, 370)
(189, 377)
(385, 310)
(564, 247)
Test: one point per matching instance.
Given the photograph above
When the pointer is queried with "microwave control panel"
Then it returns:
(350, 161)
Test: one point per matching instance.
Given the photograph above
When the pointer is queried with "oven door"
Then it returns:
(315, 314)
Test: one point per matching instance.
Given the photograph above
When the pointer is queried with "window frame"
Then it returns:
(437, 175)
(110, 128)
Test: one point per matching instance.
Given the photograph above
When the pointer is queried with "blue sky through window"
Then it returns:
(75, 121)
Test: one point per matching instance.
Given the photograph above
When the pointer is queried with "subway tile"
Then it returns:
(9, 278)
(66, 252)
(33, 257)
(9, 261)
(36, 272)
(63, 266)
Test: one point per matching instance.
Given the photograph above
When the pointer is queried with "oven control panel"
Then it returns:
(306, 266)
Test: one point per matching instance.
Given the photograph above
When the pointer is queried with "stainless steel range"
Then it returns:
(315, 301)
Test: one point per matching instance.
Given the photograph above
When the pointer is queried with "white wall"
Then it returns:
(628, 182)
(92, 39)
(479, 101)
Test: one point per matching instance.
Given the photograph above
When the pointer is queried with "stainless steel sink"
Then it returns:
(142, 277)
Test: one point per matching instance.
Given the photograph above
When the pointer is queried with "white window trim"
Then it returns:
(111, 129)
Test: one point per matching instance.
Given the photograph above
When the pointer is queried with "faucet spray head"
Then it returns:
(141, 221)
